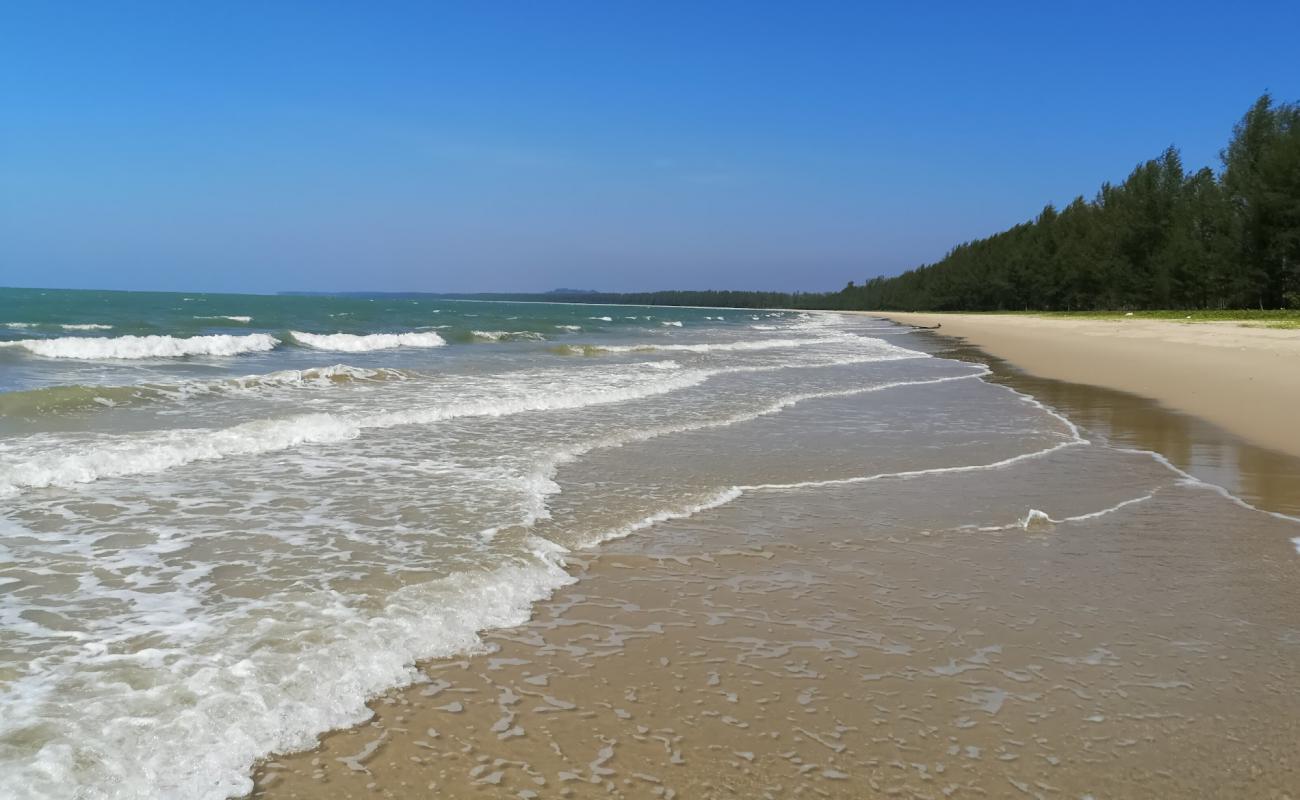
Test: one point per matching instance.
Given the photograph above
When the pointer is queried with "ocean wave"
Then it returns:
(672, 324)
(313, 376)
(34, 464)
(508, 336)
(361, 343)
(577, 350)
(80, 397)
(109, 457)
(740, 346)
(569, 327)
(137, 347)
(234, 318)
(70, 326)
(719, 498)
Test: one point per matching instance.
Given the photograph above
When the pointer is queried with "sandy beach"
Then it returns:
(906, 637)
(1246, 379)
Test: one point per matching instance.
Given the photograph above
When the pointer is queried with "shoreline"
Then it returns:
(699, 661)
(1243, 379)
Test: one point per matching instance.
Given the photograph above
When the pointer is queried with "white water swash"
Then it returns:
(201, 572)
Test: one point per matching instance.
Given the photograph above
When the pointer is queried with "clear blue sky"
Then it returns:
(612, 145)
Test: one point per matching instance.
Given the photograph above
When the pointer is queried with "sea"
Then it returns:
(229, 521)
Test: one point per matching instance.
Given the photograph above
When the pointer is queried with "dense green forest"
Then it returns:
(1164, 238)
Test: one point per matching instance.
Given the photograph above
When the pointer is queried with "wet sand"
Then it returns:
(857, 642)
(1246, 379)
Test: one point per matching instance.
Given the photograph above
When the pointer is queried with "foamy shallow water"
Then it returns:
(207, 557)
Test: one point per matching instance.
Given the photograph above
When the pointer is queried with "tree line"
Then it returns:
(1164, 238)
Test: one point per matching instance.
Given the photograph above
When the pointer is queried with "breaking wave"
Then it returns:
(361, 343)
(137, 347)
(63, 399)
(30, 466)
(508, 336)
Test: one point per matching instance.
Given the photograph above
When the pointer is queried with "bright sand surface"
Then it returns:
(1246, 379)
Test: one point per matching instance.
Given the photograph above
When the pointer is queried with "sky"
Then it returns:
(494, 146)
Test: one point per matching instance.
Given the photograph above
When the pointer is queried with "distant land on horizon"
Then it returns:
(463, 295)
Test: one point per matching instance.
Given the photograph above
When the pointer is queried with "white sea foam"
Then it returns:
(602, 319)
(360, 343)
(234, 318)
(20, 325)
(137, 347)
(267, 698)
(569, 327)
(673, 324)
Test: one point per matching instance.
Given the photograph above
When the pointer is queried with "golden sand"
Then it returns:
(1246, 379)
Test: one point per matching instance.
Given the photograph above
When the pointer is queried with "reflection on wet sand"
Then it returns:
(1263, 477)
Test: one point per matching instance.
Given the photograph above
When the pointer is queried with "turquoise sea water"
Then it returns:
(49, 312)
(91, 332)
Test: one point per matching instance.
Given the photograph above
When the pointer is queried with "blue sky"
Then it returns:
(262, 146)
